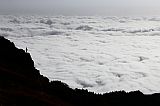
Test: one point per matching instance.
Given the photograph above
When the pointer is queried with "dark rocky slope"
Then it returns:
(22, 85)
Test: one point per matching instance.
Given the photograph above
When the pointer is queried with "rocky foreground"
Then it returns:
(22, 85)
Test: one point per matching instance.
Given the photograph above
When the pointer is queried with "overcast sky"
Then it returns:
(85, 7)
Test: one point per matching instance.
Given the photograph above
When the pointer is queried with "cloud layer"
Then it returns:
(101, 54)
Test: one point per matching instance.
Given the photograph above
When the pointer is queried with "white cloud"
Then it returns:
(118, 53)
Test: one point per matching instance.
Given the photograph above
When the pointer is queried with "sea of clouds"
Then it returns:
(101, 54)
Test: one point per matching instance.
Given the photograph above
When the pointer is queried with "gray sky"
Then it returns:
(85, 7)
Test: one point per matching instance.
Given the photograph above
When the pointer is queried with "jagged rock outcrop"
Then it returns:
(22, 85)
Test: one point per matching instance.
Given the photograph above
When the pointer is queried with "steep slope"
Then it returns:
(22, 85)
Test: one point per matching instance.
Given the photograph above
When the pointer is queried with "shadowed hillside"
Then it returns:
(22, 85)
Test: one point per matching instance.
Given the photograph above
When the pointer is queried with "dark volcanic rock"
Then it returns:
(16, 58)
(22, 85)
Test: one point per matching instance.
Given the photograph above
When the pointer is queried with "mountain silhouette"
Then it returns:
(21, 84)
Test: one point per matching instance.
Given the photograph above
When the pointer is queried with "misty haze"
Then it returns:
(82, 7)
